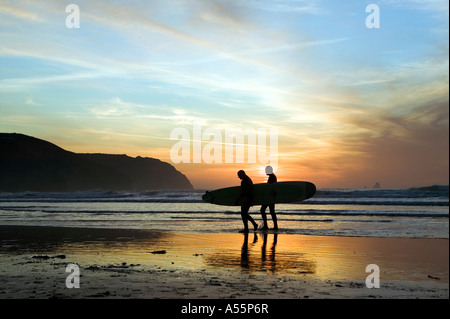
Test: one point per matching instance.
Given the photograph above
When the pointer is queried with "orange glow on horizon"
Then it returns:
(212, 176)
(330, 167)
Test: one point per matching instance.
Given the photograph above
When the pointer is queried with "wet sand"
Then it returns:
(118, 263)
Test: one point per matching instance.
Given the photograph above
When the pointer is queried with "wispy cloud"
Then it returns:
(118, 108)
(283, 6)
(19, 13)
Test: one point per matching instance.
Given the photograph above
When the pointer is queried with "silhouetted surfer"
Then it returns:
(272, 179)
(246, 198)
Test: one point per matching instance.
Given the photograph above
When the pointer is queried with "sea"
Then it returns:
(421, 212)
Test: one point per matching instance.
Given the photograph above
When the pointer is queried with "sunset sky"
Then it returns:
(352, 105)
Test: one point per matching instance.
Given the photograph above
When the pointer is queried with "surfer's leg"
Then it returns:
(274, 216)
(244, 216)
(250, 218)
(263, 215)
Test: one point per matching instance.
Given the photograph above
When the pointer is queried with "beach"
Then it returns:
(150, 264)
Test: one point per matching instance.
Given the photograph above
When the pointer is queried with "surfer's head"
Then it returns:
(241, 174)
(269, 170)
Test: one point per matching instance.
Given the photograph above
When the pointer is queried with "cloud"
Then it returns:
(216, 34)
(159, 115)
(403, 148)
(283, 6)
(394, 147)
(20, 13)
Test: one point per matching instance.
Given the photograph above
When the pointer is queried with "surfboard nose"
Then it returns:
(310, 190)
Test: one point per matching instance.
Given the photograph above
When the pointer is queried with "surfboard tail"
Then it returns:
(207, 197)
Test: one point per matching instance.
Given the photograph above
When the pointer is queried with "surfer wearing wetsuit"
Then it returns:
(246, 198)
(272, 179)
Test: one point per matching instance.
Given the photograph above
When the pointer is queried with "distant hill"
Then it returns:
(31, 164)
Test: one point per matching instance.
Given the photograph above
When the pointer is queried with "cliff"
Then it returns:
(31, 164)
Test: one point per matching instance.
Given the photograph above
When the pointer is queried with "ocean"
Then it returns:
(401, 213)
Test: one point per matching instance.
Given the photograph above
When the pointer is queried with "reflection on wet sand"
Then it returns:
(323, 257)
(257, 253)
(258, 257)
(22, 239)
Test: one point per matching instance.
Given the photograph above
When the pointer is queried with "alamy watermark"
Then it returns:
(73, 279)
(373, 19)
(373, 280)
(73, 18)
(229, 145)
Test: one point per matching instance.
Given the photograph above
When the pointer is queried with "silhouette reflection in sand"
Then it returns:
(259, 257)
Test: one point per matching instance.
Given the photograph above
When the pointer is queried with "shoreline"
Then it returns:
(136, 263)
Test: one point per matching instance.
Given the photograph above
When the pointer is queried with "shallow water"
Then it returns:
(400, 213)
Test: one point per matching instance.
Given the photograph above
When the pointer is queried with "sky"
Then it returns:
(351, 105)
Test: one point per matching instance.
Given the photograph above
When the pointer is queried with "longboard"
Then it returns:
(263, 193)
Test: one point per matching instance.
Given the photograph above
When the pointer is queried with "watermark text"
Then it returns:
(230, 145)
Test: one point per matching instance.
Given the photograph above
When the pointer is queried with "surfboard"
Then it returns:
(263, 193)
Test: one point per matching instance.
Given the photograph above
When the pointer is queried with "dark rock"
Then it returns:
(31, 164)
(158, 252)
(43, 257)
